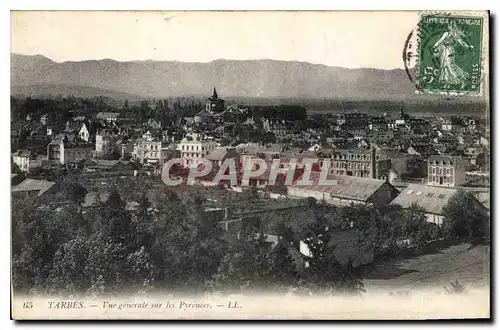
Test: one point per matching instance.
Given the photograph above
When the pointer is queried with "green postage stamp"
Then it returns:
(450, 54)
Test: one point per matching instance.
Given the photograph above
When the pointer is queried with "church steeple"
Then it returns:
(214, 95)
(214, 104)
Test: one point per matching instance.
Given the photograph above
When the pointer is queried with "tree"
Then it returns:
(144, 223)
(73, 191)
(67, 274)
(246, 266)
(42, 231)
(326, 274)
(465, 217)
(114, 221)
(415, 226)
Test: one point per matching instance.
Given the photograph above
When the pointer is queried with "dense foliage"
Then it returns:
(170, 246)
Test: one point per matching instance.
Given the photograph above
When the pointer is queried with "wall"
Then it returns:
(434, 218)
(384, 195)
(22, 162)
(74, 155)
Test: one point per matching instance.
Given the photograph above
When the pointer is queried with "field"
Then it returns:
(464, 262)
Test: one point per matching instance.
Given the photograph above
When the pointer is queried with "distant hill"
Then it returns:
(65, 90)
(250, 79)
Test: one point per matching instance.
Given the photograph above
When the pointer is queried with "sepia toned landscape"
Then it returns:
(98, 136)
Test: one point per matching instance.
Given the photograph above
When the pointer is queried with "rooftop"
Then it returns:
(33, 185)
(348, 187)
(107, 114)
(431, 199)
(22, 153)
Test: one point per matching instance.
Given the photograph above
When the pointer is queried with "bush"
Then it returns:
(455, 287)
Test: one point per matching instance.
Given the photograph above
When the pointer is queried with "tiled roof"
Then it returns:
(107, 114)
(431, 199)
(32, 184)
(22, 153)
(348, 187)
(217, 154)
(105, 162)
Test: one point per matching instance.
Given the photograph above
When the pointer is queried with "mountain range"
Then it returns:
(38, 74)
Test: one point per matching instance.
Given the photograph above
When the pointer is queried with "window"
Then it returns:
(430, 194)
(440, 196)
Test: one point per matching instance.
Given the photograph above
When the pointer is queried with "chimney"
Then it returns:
(374, 163)
(227, 213)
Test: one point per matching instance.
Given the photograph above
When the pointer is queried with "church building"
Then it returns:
(214, 103)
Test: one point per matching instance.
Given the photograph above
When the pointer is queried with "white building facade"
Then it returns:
(194, 148)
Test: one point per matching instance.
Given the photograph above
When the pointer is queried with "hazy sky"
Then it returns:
(347, 39)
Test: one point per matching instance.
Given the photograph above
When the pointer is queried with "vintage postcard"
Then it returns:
(316, 165)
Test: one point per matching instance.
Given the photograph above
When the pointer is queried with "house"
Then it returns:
(22, 159)
(204, 117)
(220, 155)
(108, 116)
(65, 152)
(280, 131)
(315, 147)
(446, 171)
(84, 133)
(357, 162)
(104, 141)
(194, 148)
(47, 118)
(153, 123)
(147, 150)
(377, 123)
(345, 190)
(92, 165)
(431, 199)
(31, 188)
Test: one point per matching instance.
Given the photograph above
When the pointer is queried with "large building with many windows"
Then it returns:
(194, 148)
(148, 150)
(64, 152)
(446, 171)
(357, 162)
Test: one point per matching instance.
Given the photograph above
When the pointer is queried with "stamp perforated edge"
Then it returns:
(484, 55)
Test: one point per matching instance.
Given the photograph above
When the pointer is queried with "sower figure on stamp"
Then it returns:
(444, 49)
